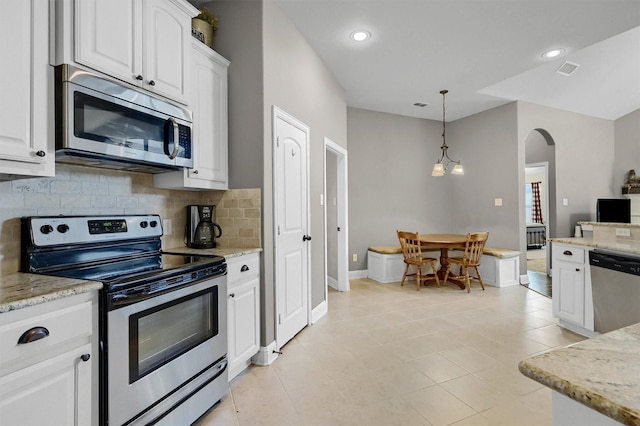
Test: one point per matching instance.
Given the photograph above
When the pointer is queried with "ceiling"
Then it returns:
(485, 52)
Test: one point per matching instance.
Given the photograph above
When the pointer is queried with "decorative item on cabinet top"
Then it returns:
(204, 26)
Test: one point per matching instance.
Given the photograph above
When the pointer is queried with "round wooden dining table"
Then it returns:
(444, 242)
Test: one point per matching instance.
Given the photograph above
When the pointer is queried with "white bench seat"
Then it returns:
(499, 267)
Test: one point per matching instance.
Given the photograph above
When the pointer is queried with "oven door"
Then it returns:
(165, 348)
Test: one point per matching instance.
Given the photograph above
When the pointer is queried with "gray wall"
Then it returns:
(239, 39)
(627, 149)
(272, 64)
(584, 152)
(390, 183)
(297, 81)
(487, 145)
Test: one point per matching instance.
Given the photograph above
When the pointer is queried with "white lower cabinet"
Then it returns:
(243, 291)
(571, 286)
(48, 362)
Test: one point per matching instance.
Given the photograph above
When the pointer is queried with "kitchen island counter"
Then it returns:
(628, 246)
(602, 373)
(20, 290)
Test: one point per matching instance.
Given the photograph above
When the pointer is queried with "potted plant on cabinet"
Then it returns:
(204, 26)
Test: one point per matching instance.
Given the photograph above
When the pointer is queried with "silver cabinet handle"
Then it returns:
(232, 295)
(244, 268)
(41, 153)
(85, 357)
(152, 83)
(567, 253)
(139, 77)
(195, 172)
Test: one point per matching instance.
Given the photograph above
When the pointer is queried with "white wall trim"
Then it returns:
(354, 275)
(319, 311)
(332, 282)
(266, 355)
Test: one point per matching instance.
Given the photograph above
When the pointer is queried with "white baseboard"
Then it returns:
(266, 355)
(332, 282)
(524, 279)
(354, 275)
(319, 311)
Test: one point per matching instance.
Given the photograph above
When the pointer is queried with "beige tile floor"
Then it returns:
(389, 355)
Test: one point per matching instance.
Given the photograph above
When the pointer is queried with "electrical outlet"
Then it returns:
(498, 202)
(167, 226)
(623, 232)
(355, 257)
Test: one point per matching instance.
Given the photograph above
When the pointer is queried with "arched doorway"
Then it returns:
(540, 208)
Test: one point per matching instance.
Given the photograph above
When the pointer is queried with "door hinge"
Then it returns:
(278, 141)
(279, 319)
(278, 229)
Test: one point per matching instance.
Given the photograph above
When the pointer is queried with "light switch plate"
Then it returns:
(498, 202)
(565, 201)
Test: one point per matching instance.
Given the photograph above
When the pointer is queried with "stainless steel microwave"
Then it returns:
(105, 123)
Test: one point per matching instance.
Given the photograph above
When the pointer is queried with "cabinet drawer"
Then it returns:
(569, 254)
(63, 325)
(242, 268)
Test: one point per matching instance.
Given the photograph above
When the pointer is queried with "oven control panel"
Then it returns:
(55, 230)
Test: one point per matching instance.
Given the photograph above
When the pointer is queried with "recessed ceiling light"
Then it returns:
(360, 35)
(553, 53)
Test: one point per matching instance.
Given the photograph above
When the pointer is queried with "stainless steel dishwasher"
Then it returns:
(615, 282)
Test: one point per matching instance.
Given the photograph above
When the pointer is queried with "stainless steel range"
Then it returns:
(163, 327)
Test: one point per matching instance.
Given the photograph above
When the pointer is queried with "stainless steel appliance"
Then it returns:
(163, 316)
(201, 231)
(615, 283)
(106, 123)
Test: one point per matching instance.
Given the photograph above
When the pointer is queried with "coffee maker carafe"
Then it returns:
(201, 231)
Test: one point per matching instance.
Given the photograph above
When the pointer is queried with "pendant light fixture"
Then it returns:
(440, 168)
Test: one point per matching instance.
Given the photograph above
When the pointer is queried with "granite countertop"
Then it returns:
(226, 252)
(21, 290)
(631, 246)
(603, 373)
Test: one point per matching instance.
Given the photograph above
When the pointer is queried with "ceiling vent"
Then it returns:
(567, 68)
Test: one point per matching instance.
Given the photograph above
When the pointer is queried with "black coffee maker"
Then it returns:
(201, 231)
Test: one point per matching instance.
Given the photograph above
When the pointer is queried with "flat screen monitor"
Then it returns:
(616, 210)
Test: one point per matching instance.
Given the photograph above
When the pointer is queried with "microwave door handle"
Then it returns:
(176, 139)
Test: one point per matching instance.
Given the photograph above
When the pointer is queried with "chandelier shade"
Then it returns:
(440, 168)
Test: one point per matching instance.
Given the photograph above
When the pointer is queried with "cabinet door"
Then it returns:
(568, 291)
(26, 110)
(209, 94)
(166, 42)
(53, 392)
(244, 325)
(108, 38)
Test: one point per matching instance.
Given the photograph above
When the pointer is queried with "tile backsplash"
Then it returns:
(83, 191)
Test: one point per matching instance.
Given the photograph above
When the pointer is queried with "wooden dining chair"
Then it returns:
(412, 252)
(473, 249)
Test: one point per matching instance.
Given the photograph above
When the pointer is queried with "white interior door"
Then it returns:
(292, 223)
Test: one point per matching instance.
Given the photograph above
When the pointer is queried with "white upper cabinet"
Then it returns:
(108, 36)
(210, 140)
(26, 107)
(141, 42)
